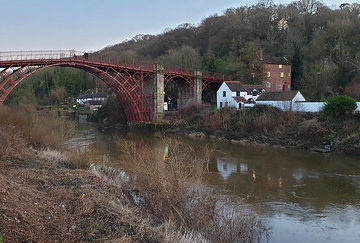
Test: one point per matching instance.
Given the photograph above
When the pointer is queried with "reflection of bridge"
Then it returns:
(140, 90)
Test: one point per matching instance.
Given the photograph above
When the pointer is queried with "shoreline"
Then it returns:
(44, 200)
(190, 132)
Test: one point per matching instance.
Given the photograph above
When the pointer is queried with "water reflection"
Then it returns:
(226, 167)
(304, 196)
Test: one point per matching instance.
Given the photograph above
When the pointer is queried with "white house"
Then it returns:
(234, 94)
(285, 100)
(94, 105)
(82, 99)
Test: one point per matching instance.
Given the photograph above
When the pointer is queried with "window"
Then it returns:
(268, 85)
(268, 74)
(280, 87)
(221, 104)
(237, 93)
(280, 66)
(226, 104)
(281, 74)
(253, 75)
(224, 93)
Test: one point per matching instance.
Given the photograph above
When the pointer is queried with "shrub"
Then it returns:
(339, 106)
(111, 113)
(169, 187)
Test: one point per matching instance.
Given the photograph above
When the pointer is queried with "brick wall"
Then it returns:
(276, 82)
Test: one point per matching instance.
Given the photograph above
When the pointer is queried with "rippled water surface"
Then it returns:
(301, 196)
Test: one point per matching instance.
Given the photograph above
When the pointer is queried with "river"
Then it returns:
(300, 196)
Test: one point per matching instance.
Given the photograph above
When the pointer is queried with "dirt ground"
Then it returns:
(41, 201)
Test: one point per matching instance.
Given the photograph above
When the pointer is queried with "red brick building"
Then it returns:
(277, 74)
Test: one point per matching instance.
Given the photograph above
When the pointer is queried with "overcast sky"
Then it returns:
(89, 25)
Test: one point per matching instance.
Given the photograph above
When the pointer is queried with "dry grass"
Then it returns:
(44, 203)
(171, 190)
(12, 143)
(38, 130)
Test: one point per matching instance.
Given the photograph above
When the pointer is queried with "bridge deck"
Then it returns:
(73, 58)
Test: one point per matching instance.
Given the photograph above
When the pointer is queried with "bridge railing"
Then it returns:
(38, 55)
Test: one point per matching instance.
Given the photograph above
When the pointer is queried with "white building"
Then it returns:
(286, 100)
(82, 99)
(234, 94)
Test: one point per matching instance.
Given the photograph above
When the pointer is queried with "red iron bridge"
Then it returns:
(140, 90)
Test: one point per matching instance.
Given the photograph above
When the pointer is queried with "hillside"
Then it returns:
(321, 43)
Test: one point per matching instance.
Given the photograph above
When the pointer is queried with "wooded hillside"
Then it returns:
(322, 44)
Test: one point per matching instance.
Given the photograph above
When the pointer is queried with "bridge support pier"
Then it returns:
(197, 88)
(158, 92)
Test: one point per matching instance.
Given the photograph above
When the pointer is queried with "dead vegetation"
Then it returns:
(49, 196)
(269, 125)
(39, 130)
(167, 186)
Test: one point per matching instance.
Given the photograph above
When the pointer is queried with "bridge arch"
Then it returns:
(181, 88)
(126, 85)
(140, 90)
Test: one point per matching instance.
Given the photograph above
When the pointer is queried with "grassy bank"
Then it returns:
(267, 125)
(47, 195)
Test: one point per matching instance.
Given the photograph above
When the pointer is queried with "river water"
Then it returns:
(300, 196)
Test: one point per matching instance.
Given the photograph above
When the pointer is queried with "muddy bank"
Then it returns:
(42, 201)
(265, 126)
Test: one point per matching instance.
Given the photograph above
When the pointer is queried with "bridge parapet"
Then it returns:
(39, 55)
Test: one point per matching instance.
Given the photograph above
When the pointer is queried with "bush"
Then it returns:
(171, 190)
(339, 106)
(112, 113)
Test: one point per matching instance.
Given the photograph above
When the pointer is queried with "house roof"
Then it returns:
(237, 86)
(250, 87)
(241, 99)
(97, 95)
(276, 60)
(234, 85)
(277, 96)
(95, 102)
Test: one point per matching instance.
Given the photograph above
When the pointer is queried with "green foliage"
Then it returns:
(339, 106)
(52, 86)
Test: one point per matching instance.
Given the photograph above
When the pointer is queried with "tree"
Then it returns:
(187, 58)
(339, 106)
(296, 67)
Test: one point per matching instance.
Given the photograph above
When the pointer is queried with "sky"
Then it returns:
(90, 25)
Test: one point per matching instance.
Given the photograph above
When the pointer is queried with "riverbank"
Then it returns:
(265, 126)
(48, 193)
(42, 201)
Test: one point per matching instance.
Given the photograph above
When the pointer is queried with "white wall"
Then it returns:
(283, 105)
(299, 106)
(249, 105)
(228, 98)
(308, 106)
